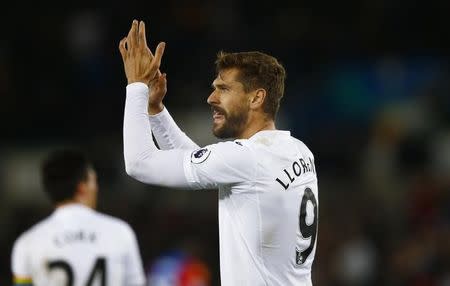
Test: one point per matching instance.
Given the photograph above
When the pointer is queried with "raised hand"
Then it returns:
(139, 63)
(158, 89)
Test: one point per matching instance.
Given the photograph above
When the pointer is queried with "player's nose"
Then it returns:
(213, 98)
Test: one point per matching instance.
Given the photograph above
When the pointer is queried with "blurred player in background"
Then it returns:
(268, 194)
(178, 268)
(75, 245)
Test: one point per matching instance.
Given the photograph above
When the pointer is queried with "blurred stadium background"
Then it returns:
(368, 89)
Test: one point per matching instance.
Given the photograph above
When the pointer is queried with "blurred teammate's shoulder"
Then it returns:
(109, 221)
(29, 233)
(75, 220)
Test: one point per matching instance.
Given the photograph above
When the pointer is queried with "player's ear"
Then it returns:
(81, 189)
(257, 98)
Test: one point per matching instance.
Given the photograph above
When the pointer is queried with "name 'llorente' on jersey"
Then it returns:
(77, 246)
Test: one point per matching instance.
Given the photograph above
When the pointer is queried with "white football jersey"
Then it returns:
(268, 207)
(268, 194)
(77, 246)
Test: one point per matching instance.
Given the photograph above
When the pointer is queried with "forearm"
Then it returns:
(137, 140)
(168, 134)
(143, 160)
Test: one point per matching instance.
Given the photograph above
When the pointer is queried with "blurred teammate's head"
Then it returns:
(68, 177)
(248, 87)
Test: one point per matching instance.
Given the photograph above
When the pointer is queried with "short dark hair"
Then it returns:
(62, 171)
(257, 70)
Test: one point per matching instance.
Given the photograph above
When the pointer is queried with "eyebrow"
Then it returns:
(219, 85)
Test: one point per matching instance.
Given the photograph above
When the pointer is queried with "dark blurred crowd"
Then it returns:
(368, 90)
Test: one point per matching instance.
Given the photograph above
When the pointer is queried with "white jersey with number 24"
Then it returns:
(77, 246)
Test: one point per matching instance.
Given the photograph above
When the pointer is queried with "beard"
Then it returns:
(233, 124)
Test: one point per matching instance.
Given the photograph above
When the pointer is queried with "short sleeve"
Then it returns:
(225, 163)
(134, 272)
(20, 264)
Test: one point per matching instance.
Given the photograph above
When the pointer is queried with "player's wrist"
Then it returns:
(135, 80)
(154, 109)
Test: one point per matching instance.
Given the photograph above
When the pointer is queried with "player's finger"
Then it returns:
(122, 48)
(156, 62)
(132, 36)
(142, 38)
(162, 79)
(158, 72)
(158, 55)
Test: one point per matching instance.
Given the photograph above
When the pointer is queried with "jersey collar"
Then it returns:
(270, 133)
(71, 208)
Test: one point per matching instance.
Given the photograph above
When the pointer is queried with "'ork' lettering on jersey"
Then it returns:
(298, 167)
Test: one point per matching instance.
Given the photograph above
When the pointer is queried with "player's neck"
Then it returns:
(256, 126)
(70, 202)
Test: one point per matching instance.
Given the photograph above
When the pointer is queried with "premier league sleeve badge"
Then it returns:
(200, 155)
